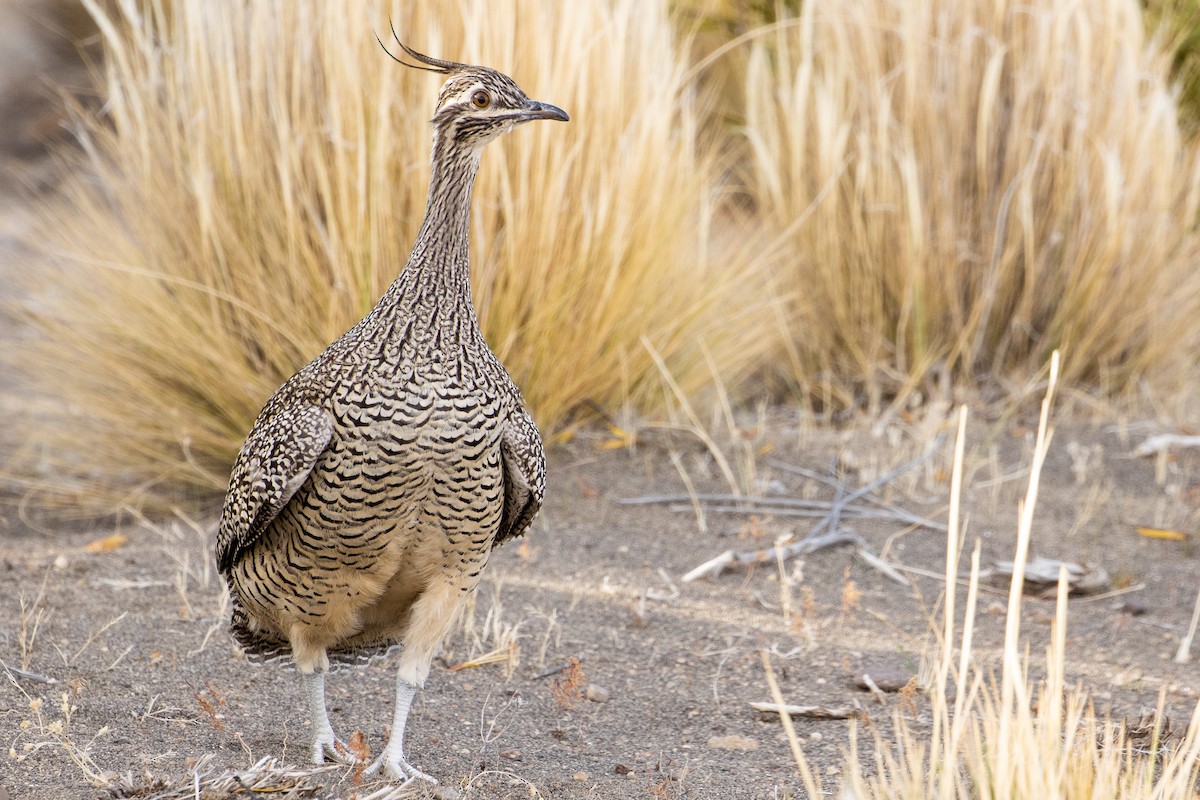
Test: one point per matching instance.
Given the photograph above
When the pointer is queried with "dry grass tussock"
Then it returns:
(949, 191)
(961, 188)
(258, 176)
(1012, 735)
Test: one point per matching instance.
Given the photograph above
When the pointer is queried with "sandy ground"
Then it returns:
(118, 663)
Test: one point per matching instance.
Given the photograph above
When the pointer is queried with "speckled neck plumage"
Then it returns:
(427, 312)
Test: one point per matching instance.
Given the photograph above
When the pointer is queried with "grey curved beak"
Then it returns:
(539, 110)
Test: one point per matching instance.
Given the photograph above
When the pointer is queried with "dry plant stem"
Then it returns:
(1184, 654)
(953, 553)
(697, 508)
(1010, 686)
(32, 617)
(793, 741)
(96, 635)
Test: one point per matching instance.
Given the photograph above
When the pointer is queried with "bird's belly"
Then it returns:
(384, 516)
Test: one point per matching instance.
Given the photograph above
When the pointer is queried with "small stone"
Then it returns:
(622, 769)
(446, 793)
(580, 777)
(996, 609)
(733, 742)
(597, 694)
(1135, 607)
(512, 754)
(815, 736)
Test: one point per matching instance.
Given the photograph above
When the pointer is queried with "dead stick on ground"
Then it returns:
(715, 566)
(813, 540)
(878, 483)
(812, 712)
(902, 513)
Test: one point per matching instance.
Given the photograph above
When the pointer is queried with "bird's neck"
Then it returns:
(434, 288)
(440, 251)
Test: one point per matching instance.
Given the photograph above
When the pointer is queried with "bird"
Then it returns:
(375, 482)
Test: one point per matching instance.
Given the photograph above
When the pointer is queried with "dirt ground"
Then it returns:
(135, 637)
(131, 631)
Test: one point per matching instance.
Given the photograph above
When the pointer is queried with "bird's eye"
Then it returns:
(481, 99)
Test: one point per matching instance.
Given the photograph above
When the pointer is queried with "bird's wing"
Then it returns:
(524, 463)
(276, 459)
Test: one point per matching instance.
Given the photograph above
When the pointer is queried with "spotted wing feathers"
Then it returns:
(276, 459)
(524, 475)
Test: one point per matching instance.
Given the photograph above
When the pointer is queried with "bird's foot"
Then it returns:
(326, 744)
(397, 768)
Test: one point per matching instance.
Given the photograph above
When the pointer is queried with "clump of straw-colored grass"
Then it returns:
(960, 188)
(257, 178)
(1177, 23)
(1012, 737)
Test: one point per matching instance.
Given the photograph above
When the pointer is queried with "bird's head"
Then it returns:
(477, 104)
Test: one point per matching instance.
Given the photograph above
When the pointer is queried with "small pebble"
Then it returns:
(580, 776)
(1135, 607)
(622, 769)
(512, 754)
(597, 694)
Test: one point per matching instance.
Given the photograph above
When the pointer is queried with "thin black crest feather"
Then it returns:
(435, 64)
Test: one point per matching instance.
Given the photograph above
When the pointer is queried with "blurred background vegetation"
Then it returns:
(860, 205)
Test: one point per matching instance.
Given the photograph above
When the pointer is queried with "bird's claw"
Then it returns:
(398, 769)
(328, 744)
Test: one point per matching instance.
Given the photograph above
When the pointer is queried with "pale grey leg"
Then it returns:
(392, 760)
(325, 743)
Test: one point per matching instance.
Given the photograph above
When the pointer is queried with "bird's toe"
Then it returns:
(334, 749)
(398, 769)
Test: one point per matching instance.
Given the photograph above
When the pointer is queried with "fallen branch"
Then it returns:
(1165, 441)
(815, 539)
(812, 712)
(27, 675)
(716, 565)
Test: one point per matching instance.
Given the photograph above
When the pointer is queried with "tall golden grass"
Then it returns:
(961, 188)
(261, 169)
(1177, 23)
(920, 192)
(1012, 735)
